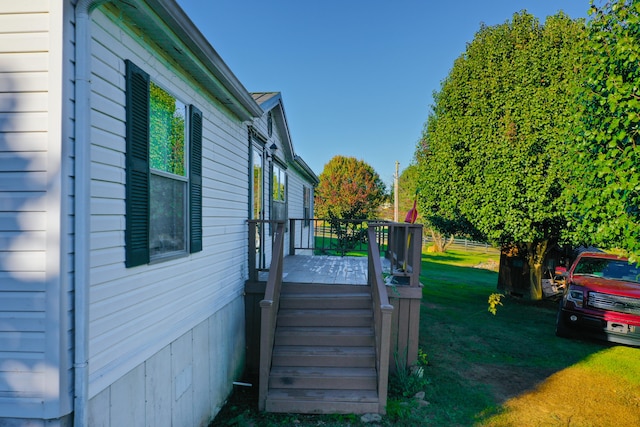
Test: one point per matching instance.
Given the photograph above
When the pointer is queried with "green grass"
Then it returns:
(479, 362)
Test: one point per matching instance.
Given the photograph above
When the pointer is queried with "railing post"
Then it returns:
(266, 308)
(269, 311)
(292, 236)
(253, 272)
(416, 254)
(383, 357)
(382, 312)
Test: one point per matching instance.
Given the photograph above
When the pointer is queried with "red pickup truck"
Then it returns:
(601, 299)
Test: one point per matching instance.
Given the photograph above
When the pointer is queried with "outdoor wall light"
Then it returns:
(273, 148)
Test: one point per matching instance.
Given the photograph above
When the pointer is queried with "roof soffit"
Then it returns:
(168, 27)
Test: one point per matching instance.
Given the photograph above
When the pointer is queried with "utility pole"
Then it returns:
(395, 194)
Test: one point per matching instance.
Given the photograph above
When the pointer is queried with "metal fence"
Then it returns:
(326, 237)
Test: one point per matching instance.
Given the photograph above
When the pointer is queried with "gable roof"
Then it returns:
(267, 100)
(272, 101)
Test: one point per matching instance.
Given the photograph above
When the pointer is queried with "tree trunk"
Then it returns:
(536, 253)
(535, 282)
(440, 242)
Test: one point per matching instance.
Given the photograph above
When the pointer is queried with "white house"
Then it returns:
(287, 181)
(127, 150)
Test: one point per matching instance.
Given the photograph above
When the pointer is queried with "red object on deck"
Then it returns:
(412, 215)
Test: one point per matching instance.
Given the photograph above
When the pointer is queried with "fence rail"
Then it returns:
(465, 244)
(326, 237)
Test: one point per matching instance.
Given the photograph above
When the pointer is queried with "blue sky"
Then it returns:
(356, 76)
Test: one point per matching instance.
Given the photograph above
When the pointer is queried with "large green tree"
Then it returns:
(491, 153)
(604, 202)
(441, 230)
(349, 188)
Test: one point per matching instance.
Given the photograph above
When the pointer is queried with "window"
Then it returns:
(164, 172)
(258, 177)
(279, 184)
(279, 193)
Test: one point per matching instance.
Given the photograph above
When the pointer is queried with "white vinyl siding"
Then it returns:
(135, 312)
(35, 198)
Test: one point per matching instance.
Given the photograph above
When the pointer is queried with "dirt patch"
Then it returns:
(490, 264)
(507, 382)
(240, 409)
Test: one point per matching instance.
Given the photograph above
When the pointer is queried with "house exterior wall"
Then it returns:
(187, 312)
(139, 316)
(183, 383)
(165, 339)
(35, 200)
(295, 179)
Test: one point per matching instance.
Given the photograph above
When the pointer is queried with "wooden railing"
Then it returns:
(269, 311)
(382, 312)
(396, 314)
(322, 236)
(405, 258)
(262, 234)
(404, 252)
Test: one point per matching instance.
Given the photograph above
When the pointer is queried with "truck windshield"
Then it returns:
(608, 269)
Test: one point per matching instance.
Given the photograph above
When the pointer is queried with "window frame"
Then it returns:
(138, 173)
(257, 145)
(283, 205)
(280, 180)
(184, 179)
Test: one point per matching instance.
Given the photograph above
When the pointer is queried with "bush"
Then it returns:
(409, 380)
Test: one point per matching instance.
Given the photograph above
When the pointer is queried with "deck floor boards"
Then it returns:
(328, 269)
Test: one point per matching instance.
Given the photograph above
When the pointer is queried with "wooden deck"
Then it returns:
(309, 311)
(325, 269)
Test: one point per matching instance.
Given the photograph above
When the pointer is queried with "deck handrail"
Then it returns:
(261, 231)
(404, 251)
(382, 312)
(323, 235)
(269, 311)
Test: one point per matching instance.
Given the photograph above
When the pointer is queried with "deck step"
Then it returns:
(316, 356)
(292, 287)
(325, 317)
(325, 336)
(324, 357)
(350, 300)
(313, 401)
(321, 378)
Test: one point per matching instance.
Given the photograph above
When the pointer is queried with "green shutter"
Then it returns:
(137, 164)
(195, 179)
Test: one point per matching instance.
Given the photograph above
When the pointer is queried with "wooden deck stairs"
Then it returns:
(324, 357)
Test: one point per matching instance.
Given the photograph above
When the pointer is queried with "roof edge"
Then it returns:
(176, 19)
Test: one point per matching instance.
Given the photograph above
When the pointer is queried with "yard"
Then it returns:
(486, 370)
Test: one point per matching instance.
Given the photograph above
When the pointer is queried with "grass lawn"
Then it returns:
(485, 370)
(510, 369)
